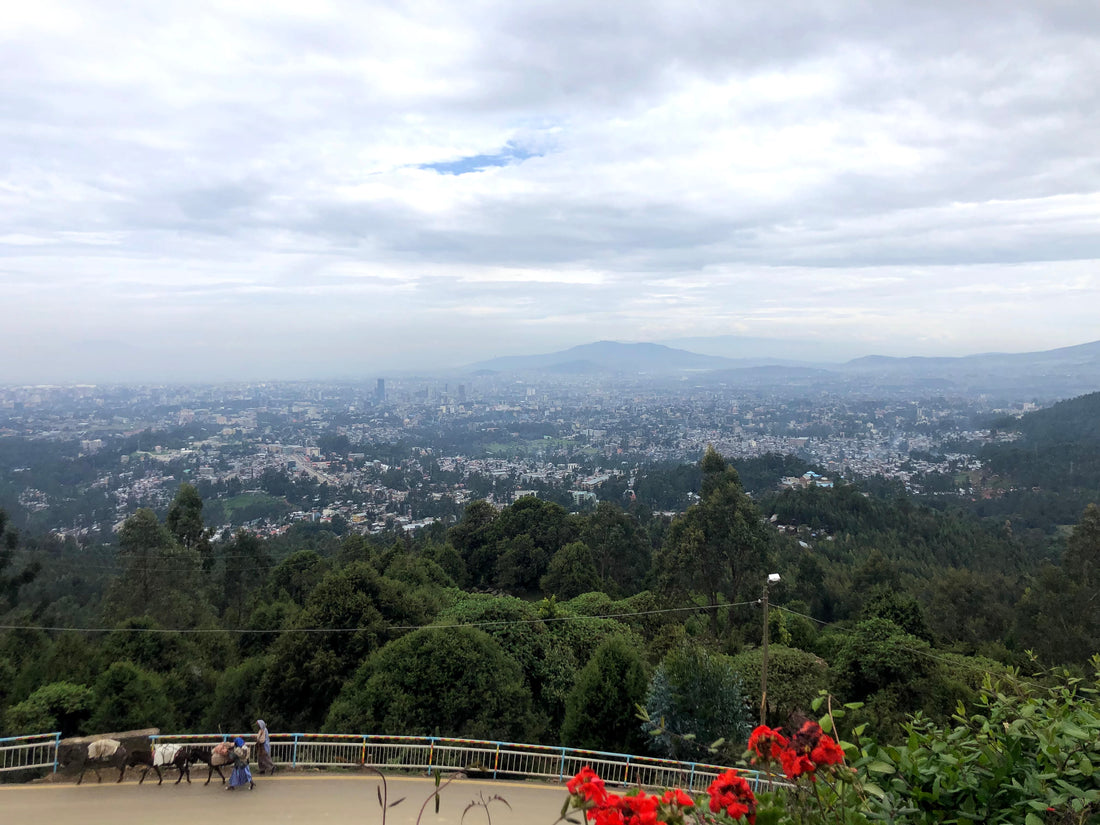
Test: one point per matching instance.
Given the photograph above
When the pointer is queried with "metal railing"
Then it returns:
(489, 759)
(20, 753)
(476, 758)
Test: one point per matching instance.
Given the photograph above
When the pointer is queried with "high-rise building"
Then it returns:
(380, 390)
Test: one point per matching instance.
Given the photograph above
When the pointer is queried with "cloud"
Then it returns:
(411, 179)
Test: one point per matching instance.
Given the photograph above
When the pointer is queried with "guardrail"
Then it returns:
(18, 753)
(489, 759)
(474, 757)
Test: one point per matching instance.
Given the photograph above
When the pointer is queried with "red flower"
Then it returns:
(606, 816)
(795, 764)
(732, 794)
(808, 750)
(640, 809)
(588, 785)
(827, 752)
(766, 744)
(677, 797)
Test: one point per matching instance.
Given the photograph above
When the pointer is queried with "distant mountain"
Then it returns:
(608, 356)
(771, 350)
(1042, 376)
(1047, 375)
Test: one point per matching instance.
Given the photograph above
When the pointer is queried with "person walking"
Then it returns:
(241, 774)
(263, 745)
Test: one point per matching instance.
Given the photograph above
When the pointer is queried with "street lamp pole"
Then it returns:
(772, 579)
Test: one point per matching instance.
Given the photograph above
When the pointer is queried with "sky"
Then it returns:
(312, 189)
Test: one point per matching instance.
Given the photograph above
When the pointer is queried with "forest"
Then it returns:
(530, 623)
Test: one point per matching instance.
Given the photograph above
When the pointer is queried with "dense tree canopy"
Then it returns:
(560, 618)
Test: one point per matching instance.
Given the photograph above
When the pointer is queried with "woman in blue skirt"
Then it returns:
(241, 774)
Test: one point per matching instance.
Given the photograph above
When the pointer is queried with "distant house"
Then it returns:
(807, 479)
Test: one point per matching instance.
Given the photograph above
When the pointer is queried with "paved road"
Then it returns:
(300, 799)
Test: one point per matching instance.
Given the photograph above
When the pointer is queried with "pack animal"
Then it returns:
(161, 756)
(215, 757)
(100, 753)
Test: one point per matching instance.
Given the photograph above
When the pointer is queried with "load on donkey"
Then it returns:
(104, 751)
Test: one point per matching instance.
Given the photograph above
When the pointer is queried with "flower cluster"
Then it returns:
(732, 794)
(729, 793)
(800, 755)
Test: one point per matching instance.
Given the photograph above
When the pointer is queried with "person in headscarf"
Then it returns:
(263, 744)
(241, 774)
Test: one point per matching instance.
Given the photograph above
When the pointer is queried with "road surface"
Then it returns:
(283, 798)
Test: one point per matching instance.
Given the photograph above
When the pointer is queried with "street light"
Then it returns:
(773, 578)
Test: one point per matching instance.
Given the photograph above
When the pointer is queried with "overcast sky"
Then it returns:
(306, 189)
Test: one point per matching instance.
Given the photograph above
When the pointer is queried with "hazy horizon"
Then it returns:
(211, 191)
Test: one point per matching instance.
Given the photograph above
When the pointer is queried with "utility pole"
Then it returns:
(772, 579)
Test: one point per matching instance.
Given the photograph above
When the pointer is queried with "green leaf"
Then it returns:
(826, 724)
(874, 790)
(1031, 819)
(881, 767)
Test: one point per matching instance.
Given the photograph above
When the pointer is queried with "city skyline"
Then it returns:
(278, 190)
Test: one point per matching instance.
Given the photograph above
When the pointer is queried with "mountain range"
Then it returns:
(1042, 376)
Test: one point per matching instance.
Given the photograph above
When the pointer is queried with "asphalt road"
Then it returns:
(282, 798)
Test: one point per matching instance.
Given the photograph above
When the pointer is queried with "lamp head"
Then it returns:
(773, 578)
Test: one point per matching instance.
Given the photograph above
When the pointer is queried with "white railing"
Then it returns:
(489, 759)
(480, 758)
(18, 753)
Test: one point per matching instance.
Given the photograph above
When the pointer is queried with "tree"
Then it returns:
(571, 572)
(795, 678)
(9, 585)
(449, 682)
(235, 703)
(694, 700)
(520, 564)
(160, 579)
(1059, 614)
(515, 625)
(184, 520)
(58, 706)
(297, 575)
(620, 549)
(126, 697)
(719, 546)
(246, 561)
(600, 712)
(347, 616)
(473, 538)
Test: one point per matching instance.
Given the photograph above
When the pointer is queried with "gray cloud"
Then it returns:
(276, 181)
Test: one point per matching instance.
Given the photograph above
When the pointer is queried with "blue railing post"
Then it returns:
(691, 780)
(561, 767)
(294, 754)
(496, 761)
(56, 750)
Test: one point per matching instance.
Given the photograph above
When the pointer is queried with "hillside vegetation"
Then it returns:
(528, 623)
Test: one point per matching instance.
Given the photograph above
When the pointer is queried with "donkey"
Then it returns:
(161, 756)
(213, 757)
(100, 753)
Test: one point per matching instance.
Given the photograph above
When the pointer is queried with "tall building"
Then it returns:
(380, 391)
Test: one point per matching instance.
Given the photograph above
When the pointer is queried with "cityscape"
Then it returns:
(404, 453)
